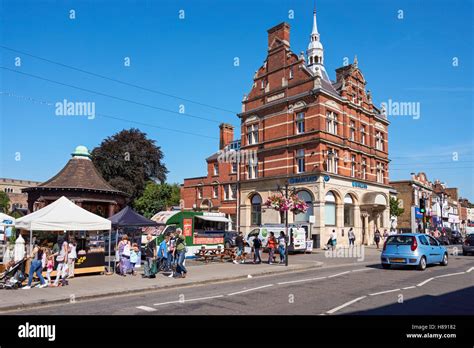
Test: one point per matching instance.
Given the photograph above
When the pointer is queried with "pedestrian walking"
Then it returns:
(163, 253)
(37, 256)
(150, 256)
(282, 246)
(351, 236)
(49, 267)
(135, 256)
(180, 253)
(171, 254)
(257, 244)
(71, 257)
(377, 237)
(333, 240)
(239, 243)
(61, 259)
(271, 245)
(385, 235)
(124, 248)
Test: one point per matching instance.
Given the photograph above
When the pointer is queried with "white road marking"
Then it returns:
(345, 305)
(362, 269)
(424, 282)
(203, 298)
(470, 269)
(301, 280)
(383, 292)
(449, 275)
(190, 300)
(165, 303)
(146, 309)
(241, 292)
(409, 287)
(338, 274)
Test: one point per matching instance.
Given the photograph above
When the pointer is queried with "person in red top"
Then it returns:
(271, 245)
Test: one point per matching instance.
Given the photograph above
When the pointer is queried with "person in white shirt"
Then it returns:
(71, 257)
(333, 239)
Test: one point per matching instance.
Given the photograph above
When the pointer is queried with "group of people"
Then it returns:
(43, 258)
(168, 256)
(273, 244)
(332, 241)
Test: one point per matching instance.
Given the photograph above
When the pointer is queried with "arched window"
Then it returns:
(348, 211)
(256, 210)
(330, 209)
(306, 197)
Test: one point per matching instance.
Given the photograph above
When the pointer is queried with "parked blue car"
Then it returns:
(413, 249)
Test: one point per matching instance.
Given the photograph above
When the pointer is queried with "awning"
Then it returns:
(213, 218)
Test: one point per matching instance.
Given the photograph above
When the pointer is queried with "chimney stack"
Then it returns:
(281, 32)
(226, 135)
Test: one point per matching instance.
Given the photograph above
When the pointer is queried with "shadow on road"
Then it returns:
(453, 303)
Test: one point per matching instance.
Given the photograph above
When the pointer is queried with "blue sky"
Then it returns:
(405, 60)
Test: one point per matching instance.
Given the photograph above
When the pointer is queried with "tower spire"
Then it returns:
(315, 51)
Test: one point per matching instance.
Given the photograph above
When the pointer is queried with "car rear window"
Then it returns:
(400, 240)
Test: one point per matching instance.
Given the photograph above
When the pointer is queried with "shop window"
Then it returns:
(305, 196)
(256, 210)
(330, 210)
(348, 211)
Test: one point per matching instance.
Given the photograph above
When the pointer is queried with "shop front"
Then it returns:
(335, 203)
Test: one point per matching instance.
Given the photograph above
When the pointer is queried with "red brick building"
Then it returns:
(325, 138)
(217, 191)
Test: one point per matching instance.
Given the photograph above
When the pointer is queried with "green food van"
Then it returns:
(199, 228)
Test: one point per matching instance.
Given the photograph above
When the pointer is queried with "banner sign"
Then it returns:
(208, 240)
(188, 227)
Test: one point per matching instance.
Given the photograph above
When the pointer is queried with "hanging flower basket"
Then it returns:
(282, 204)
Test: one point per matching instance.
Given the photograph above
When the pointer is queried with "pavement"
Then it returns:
(100, 286)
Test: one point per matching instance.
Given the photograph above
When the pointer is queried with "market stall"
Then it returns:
(128, 221)
(64, 217)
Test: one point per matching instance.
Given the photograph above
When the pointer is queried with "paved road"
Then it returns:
(343, 289)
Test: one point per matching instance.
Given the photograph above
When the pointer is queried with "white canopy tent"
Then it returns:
(62, 215)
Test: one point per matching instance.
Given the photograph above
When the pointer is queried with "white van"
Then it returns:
(296, 243)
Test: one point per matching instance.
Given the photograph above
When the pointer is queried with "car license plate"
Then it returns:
(397, 260)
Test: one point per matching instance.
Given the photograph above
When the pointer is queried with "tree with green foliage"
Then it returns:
(128, 160)
(157, 197)
(4, 202)
(395, 209)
